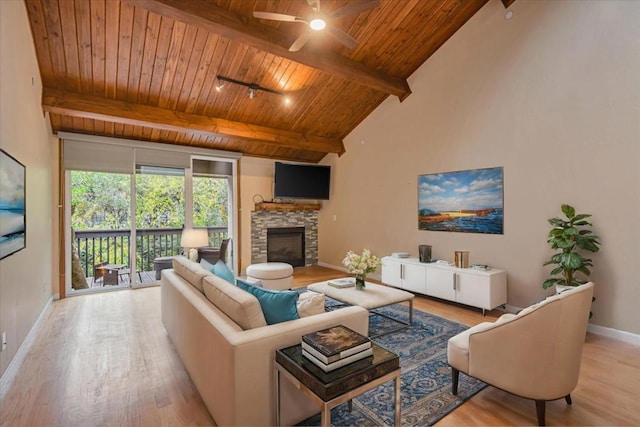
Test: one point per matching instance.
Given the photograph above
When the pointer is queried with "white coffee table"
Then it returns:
(372, 297)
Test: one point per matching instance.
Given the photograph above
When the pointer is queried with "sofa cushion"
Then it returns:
(242, 307)
(220, 269)
(190, 271)
(277, 306)
(310, 303)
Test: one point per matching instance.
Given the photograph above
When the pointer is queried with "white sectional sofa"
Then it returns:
(232, 365)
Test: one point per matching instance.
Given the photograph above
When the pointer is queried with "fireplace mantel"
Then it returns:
(287, 207)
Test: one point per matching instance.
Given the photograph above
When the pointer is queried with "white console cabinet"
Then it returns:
(407, 276)
(485, 289)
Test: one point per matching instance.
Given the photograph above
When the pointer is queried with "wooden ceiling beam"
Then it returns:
(205, 15)
(93, 107)
(507, 3)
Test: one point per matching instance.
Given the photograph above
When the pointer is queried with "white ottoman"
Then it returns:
(273, 275)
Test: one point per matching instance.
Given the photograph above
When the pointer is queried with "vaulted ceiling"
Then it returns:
(147, 69)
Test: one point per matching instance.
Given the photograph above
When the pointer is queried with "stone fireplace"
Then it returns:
(294, 230)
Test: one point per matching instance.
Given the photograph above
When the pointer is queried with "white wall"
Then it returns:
(25, 277)
(553, 96)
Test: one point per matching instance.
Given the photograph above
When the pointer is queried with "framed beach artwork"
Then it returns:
(470, 201)
(13, 222)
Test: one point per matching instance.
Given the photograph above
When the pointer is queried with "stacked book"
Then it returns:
(347, 282)
(335, 347)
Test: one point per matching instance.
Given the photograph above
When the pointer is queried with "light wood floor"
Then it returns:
(105, 359)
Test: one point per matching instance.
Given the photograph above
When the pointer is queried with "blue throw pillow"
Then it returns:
(257, 283)
(277, 306)
(220, 269)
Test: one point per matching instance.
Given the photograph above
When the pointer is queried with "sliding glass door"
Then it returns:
(160, 217)
(100, 229)
(212, 191)
(126, 209)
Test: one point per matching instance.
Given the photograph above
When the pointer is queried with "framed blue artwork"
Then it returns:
(13, 223)
(470, 201)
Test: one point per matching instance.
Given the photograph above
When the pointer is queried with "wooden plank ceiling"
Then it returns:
(146, 69)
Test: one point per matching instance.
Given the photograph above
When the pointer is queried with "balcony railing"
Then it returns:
(112, 246)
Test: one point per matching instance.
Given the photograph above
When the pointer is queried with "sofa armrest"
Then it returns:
(254, 355)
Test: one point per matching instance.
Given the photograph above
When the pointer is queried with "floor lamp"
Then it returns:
(192, 239)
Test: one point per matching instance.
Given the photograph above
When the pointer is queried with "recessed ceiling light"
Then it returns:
(508, 15)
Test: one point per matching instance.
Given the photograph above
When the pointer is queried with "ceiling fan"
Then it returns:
(318, 21)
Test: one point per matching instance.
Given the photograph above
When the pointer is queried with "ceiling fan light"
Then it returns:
(317, 24)
(252, 93)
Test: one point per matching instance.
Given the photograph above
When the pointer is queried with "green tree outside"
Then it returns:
(101, 201)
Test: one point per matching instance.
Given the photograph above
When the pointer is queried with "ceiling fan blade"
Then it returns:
(276, 16)
(300, 41)
(343, 37)
(356, 6)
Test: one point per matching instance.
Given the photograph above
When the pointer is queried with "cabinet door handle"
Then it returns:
(454, 281)
(402, 271)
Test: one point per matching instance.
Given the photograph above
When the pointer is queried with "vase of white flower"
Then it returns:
(361, 265)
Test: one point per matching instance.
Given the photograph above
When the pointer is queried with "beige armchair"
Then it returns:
(535, 354)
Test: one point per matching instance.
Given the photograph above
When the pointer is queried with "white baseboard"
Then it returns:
(342, 268)
(512, 309)
(9, 375)
(615, 333)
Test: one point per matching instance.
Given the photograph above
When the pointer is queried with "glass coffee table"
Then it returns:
(330, 389)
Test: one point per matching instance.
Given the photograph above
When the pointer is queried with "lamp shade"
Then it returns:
(194, 238)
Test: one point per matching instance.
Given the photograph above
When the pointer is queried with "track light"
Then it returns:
(253, 88)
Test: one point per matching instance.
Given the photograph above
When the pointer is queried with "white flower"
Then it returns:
(361, 265)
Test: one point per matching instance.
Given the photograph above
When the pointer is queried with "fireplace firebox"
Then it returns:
(286, 244)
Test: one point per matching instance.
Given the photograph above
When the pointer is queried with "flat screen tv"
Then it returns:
(300, 181)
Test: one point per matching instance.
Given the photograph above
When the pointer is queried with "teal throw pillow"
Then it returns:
(277, 306)
(257, 283)
(206, 265)
(220, 269)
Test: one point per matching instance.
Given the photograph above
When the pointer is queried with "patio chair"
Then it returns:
(212, 255)
(98, 271)
(126, 271)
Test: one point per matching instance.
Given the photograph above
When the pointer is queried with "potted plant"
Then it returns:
(570, 237)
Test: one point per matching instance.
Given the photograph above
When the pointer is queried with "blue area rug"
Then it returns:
(426, 377)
